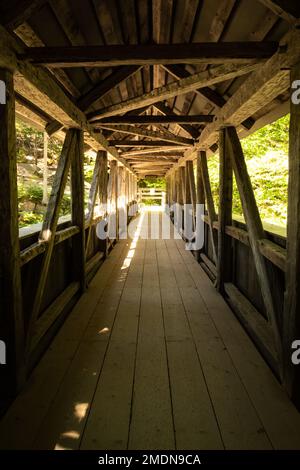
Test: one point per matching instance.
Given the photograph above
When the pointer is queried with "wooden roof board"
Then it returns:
(139, 22)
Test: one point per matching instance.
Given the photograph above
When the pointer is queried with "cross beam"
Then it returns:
(150, 54)
(170, 119)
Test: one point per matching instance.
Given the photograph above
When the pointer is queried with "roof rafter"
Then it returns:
(209, 94)
(20, 12)
(133, 130)
(106, 85)
(264, 85)
(39, 87)
(282, 10)
(206, 78)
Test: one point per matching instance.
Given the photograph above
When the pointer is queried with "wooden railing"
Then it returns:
(246, 260)
(148, 194)
(66, 277)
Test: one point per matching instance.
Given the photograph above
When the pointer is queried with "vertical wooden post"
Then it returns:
(127, 191)
(180, 199)
(291, 316)
(177, 193)
(114, 197)
(49, 226)
(12, 374)
(200, 194)
(121, 202)
(187, 199)
(182, 184)
(103, 193)
(78, 217)
(255, 231)
(224, 261)
(191, 180)
(209, 201)
(92, 198)
(187, 189)
(45, 169)
(130, 188)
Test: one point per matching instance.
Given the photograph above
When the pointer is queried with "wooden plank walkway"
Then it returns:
(151, 357)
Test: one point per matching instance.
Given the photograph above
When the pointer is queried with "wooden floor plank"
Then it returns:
(278, 415)
(20, 425)
(239, 423)
(195, 423)
(108, 421)
(151, 422)
(151, 357)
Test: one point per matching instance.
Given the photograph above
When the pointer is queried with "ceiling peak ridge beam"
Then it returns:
(264, 85)
(150, 54)
(208, 77)
(41, 83)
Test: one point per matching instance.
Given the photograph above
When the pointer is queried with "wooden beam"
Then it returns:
(78, 216)
(209, 94)
(39, 86)
(19, 12)
(212, 216)
(178, 72)
(191, 192)
(255, 231)
(105, 86)
(150, 54)
(11, 312)
(287, 10)
(224, 261)
(167, 111)
(177, 151)
(113, 198)
(145, 143)
(92, 198)
(153, 160)
(103, 187)
(260, 88)
(214, 75)
(200, 193)
(291, 326)
(49, 225)
(133, 130)
(158, 119)
(53, 127)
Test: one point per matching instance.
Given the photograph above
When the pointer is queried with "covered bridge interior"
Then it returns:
(133, 343)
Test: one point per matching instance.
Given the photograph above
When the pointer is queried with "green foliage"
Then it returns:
(267, 162)
(65, 207)
(31, 141)
(29, 218)
(34, 193)
(271, 137)
(152, 182)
